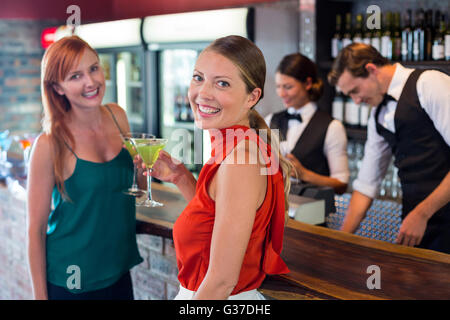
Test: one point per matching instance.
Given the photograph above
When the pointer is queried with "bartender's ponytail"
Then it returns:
(247, 57)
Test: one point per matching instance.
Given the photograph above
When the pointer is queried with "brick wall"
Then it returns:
(155, 278)
(14, 280)
(20, 58)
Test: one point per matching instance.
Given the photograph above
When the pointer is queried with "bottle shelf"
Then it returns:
(445, 65)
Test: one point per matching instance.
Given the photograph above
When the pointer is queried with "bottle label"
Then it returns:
(386, 47)
(438, 52)
(346, 42)
(364, 114)
(416, 48)
(351, 113)
(447, 47)
(404, 49)
(357, 39)
(337, 109)
(334, 47)
(376, 43)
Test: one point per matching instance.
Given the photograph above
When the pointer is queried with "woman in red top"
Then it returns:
(230, 234)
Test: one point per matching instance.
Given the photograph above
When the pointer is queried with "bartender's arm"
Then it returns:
(335, 150)
(377, 155)
(413, 226)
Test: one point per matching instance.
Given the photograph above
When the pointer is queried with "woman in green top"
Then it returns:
(81, 228)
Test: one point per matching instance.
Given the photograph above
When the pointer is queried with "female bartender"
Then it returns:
(315, 143)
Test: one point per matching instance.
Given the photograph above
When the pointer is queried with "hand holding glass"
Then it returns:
(128, 143)
(148, 150)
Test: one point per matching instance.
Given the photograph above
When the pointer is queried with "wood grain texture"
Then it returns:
(329, 264)
(334, 264)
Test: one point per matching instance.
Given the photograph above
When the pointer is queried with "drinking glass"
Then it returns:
(149, 149)
(5, 143)
(26, 142)
(127, 141)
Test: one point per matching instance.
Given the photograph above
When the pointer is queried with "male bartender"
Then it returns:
(411, 122)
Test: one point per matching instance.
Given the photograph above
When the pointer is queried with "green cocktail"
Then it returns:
(149, 153)
(128, 143)
(131, 149)
(149, 150)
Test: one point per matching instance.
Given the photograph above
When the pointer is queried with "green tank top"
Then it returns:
(92, 235)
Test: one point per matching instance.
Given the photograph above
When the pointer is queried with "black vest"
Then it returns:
(421, 154)
(309, 147)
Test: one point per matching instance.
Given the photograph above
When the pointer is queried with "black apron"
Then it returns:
(423, 160)
(309, 147)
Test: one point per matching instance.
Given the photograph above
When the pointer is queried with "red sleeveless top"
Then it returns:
(193, 229)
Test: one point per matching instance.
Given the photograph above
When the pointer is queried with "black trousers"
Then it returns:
(121, 290)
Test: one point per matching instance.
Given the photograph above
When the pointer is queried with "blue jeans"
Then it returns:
(121, 290)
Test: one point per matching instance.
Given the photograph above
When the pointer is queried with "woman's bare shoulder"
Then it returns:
(120, 115)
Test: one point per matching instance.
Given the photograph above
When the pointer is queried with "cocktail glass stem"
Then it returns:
(149, 185)
(134, 186)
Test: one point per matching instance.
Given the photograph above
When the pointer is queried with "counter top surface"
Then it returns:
(329, 264)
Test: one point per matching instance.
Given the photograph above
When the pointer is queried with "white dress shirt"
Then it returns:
(433, 90)
(335, 144)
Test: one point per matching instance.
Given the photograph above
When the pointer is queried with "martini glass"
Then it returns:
(128, 143)
(149, 150)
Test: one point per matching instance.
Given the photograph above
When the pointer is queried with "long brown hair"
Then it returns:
(58, 60)
(249, 60)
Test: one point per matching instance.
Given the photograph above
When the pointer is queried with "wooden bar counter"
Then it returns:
(329, 264)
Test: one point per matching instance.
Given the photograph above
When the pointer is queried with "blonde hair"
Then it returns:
(249, 60)
(57, 62)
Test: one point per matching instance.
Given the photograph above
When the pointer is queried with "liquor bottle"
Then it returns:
(447, 43)
(347, 37)
(337, 107)
(364, 113)
(178, 105)
(407, 39)
(186, 107)
(367, 33)
(396, 38)
(357, 36)
(336, 41)
(375, 41)
(419, 36)
(351, 115)
(386, 38)
(438, 43)
(429, 34)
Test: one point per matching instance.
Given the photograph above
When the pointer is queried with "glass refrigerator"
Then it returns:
(122, 57)
(174, 43)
